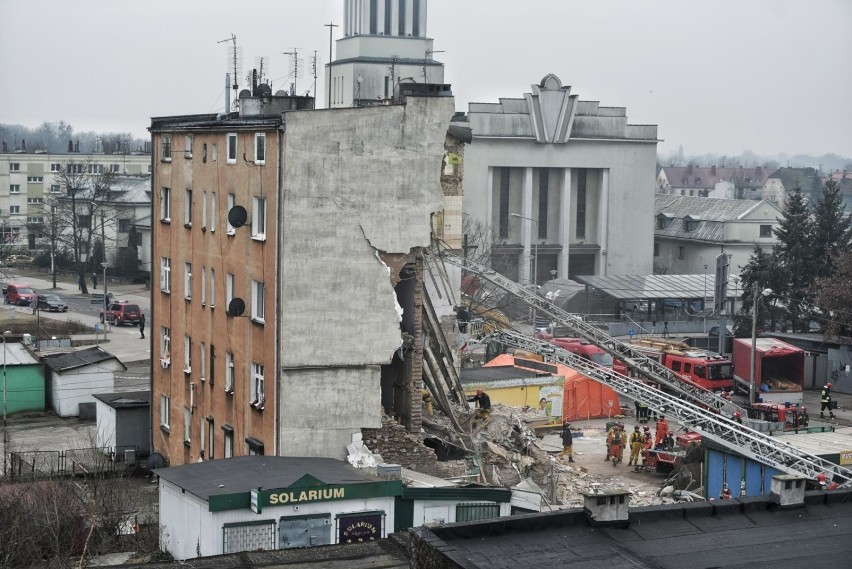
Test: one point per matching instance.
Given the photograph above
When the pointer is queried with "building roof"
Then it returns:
(707, 177)
(127, 400)
(79, 358)
(753, 533)
(806, 178)
(636, 287)
(246, 473)
(710, 215)
(17, 354)
(496, 373)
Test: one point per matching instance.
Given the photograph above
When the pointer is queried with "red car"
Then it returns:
(122, 312)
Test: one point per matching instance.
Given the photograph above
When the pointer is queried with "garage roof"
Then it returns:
(635, 287)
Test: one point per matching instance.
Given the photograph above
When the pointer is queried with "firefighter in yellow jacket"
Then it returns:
(825, 401)
(635, 445)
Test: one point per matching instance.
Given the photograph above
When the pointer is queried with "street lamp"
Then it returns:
(5, 404)
(535, 262)
(704, 298)
(105, 265)
(751, 384)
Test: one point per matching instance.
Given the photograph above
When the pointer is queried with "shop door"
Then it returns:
(304, 532)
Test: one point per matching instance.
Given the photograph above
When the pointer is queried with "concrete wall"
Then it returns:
(358, 183)
(79, 386)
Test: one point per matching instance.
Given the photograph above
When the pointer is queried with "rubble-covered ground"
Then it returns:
(506, 452)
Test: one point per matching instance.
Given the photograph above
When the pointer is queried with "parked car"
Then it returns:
(19, 294)
(51, 303)
(13, 260)
(122, 312)
(714, 331)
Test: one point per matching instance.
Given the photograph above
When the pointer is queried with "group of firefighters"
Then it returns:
(641, 441)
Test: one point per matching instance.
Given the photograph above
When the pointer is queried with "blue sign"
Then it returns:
(630, 332)
(97, 328)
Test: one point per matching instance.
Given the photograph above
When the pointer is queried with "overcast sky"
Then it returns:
(717, 76)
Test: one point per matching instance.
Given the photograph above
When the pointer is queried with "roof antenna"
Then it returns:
(295, 70)
(235, 59)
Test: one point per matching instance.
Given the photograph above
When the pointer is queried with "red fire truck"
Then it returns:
(587, 351)
(706, 369)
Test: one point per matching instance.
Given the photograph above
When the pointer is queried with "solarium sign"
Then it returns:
(300, 496)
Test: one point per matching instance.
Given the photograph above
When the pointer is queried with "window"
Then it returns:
(124, 225)
(187, 149)
(202, 361)
(35, 179)
(504, 203)
(212, 364)
(543, 181)
(258, 301)
(212, 288)
(203, 210)
(165, 344)
(232, 200)
(656, 249)
(203, 286)
(582, 176)
(14, 209)
(35, 201)
(187, 208)
(164, 411)
(473, 512)
(55, 189)
(187, 354)
(14, 167)
(681, 253)
(258, 219)
(165, 204)
(204, 153)
(84, 221)
(35, 220)
(229, 288)
(166, 147)
(15, 188)
(114, 168)
(690, 224)
(257, 386)
(661, 222)
(766, 231)
(95, 168)
(675, 366)
(202, 429)
(229, 372)
(187, 424)
(260, 148)
(232, 148)
(165, 274)
(214, 153)
(214, 212)
(74, 168)
(211, 437)
(229, 440)
(187, 281)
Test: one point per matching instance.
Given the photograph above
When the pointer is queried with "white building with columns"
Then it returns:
(566, 180)
(384, 43)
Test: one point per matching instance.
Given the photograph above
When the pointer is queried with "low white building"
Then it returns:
(74, 378)
(254, 503)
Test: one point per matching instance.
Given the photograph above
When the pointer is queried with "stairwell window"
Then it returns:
(202, 361)
(187, 208)
(258, 301)
(164, 411)
(230, 229)
(187, 354)
(15, 188)
(166, 147)
(187, 425)
(187, 281)
(229, 288)
(187, 149)
(165, 204)
(229, 372)
(165, 344)
(165, 274)
(260, 148)
(212, 288)
(203, 211)
(203, 286)
(232, 147)
(257, 386)
(214, 212)
(258, 219)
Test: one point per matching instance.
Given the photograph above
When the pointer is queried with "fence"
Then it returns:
(30, 465)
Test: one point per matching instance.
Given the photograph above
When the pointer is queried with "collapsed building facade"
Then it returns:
(287, 245)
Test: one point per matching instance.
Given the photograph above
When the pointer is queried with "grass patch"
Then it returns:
(26, 323)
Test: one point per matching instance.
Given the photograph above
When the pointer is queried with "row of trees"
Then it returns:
(55, 136)
(808, 272)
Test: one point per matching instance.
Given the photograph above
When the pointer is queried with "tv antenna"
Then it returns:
(234, 63)
(296, 67)
(261, 63)
(426, 60)
(315, 63)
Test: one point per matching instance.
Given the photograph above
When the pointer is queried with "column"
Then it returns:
(423, 11)
(603, 218)
(394, 18)
(489, 200)
(347, 25)
(409, 17)
(380, 17)
(564, 224)
(525, 270)
(365, 17)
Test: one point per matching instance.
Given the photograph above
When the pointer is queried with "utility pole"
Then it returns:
(330, 26)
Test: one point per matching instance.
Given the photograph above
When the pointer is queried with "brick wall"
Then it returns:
(400, 447)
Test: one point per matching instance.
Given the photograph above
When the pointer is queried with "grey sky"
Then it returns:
(722, 76)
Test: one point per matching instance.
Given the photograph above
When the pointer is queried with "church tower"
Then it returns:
(384, 43)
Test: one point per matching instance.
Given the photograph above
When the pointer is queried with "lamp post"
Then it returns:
(752, 384)
(5, 404)
(704, 298)
(105, 265)
(535, 262)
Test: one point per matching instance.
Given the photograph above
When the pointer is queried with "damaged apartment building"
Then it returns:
(287, 251)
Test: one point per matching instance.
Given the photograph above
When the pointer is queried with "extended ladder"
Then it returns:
(713, 426)
(634, 358)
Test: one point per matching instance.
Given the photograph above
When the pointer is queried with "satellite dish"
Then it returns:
(237, 307)
(237, 216)
(281, 93)
(245, 93)
(155, 461)
(264, 90)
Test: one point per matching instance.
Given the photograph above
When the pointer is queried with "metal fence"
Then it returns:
(31, 465)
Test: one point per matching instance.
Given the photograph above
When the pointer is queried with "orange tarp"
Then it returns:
(582, 397)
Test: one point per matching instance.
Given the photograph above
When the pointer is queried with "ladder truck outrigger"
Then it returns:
(713, 426)
(633, 357)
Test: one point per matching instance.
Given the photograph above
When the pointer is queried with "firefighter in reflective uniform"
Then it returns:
(610, 436)
(427, 402)
(622, 441)
(662, 430)
(635, 445)
(825, 402)
(647, 443)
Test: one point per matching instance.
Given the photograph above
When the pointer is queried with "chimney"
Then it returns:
(788, 490)
(24, 144)
(254, 82)
(713, 170)
(606, 507)
(70, 146)
(77, 146)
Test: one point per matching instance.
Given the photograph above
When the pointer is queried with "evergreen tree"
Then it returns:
(832, 229)
(834, 297)
(794, 254)
(761, 272)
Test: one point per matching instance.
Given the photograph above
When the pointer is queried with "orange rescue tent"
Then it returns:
(582, 397)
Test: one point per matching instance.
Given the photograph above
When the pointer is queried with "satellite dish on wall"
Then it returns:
(264, 90)
(237, 216)
(245, 93)
(155, 461)
(237, 307)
